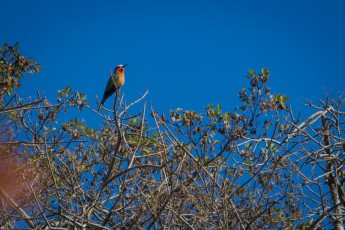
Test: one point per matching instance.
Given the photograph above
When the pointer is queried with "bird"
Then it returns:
(118, 78)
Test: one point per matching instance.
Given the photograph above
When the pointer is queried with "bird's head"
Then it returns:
(120, 68)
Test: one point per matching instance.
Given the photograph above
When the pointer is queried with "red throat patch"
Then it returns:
(120, 70)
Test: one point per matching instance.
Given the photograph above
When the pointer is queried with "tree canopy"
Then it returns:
(258, 166)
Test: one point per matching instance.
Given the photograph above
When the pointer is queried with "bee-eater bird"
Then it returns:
(118, 78)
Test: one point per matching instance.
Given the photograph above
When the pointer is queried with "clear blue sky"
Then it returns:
(186, 53)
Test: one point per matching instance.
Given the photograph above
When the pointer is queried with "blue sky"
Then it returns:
(186, 53)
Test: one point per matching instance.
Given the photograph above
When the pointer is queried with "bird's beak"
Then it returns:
(125, 65)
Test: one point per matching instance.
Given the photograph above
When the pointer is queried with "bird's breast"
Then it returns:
(121, 80)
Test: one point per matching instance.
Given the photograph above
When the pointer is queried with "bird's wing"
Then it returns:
(110, 87)
(110, 83)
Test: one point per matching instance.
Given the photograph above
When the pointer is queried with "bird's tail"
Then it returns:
(101, 105)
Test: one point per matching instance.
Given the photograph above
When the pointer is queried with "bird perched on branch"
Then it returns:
(118, 78)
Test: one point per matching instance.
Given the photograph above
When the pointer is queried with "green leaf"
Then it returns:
(67, 90)
(15, 47)
(251, 72)
(219, 107)
(273, 148)
(145, 151)
(265, 73)
(9, 91)
(248, 146)
(285, 98)
(280, 98)
(284, 127)
(133, 122)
